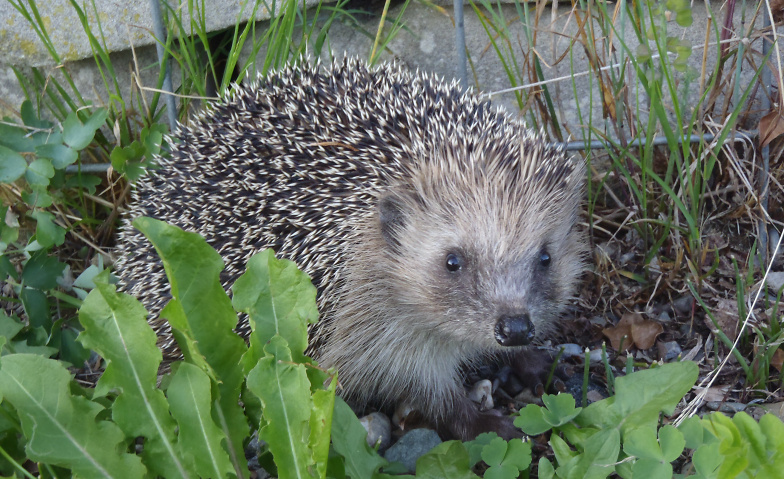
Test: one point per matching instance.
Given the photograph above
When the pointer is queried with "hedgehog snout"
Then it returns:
(514, 330)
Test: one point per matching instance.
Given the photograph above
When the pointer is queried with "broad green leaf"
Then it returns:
(60, 155)
(12, 165)
(9, 326)
(708, 460)
(62, 429)
(752, 434)
(115, 326)
(349, 439)
(29, 117)
(546, 469)
(36, 306)
(38, 197)
(41, 271)
(193, 269)
(641, 396)
(693, 431)
(448, 459)
(279, 299)
(190, 399)
(47, 233)
(476, 446)
(39, 172)
(284, 390)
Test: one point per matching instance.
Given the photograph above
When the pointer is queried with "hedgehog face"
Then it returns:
(493, 268)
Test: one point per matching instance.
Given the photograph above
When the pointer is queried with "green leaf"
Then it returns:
(77, 134)
(60, 155)
(205, 315)
(38, 197)
(83, 182)
(29, 117)
(47, 233)
(12, 165)
(36, 306)
(531, 420)
(189, 396)
(641, 396)
(448, 459)
(284, 390)
(115, 326)
(692, 431)
(279, 299)
(321, 424)
(506, 460)
(560, 409)
(128, 160)
(9, 326)
(42, 271)
(641, 442)
(476, 446)
(62, 429)
(652, 469)
(39, 172)
(773, 429)
(672, 442)
(546, 469)
(349, 440)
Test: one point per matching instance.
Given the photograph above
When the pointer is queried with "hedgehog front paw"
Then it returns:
(532, 368)
(467, 422)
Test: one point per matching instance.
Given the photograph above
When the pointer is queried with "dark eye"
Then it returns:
(544, 258)
(453, 262)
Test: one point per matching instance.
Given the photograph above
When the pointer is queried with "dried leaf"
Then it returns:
(771, 126)
(639, 332)
(777, 360)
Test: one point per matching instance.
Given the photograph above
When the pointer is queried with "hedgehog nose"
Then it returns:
(514, 330)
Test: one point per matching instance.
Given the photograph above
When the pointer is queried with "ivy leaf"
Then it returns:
(12, 165)
(62, 429)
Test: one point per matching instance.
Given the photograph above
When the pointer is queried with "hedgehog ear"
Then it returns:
(393, 212)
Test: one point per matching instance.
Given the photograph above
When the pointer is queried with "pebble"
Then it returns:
(482, 394)
(379, 430)
(725, 407)
(412, 446)
(683, 305)
(669, 350)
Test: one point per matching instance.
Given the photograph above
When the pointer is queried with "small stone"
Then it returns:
(775, 281)
(412, 446)
(482, 394)
(570, 350)
(379, 430)
(683, 305)
(669, 350)
(725, 407)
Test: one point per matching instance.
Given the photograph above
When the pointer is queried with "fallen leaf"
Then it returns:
(771, 126)
(777, 360)
(639, 332)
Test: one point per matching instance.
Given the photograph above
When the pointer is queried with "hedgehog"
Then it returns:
(440, 232)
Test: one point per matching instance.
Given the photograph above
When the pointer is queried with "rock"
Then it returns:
(412, 446)
(683, 305)
(482, 394)
(725, 407)
(669, 350)
(379, 430)
(775, 281)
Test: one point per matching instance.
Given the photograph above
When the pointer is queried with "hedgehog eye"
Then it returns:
(544, 258)
(453, 262)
